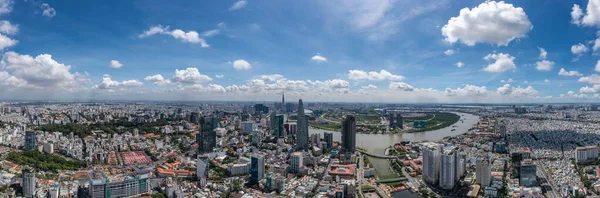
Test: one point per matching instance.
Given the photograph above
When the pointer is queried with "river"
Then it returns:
(377, 143)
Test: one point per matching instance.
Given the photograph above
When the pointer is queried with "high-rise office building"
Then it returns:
(29, 182)
(30, 141)
(431, 163)
(202, 164)
(282, 102)
(399, 121)
(448, 168)
(315, 139)
(328, 137)
(194, 117)
(101, 186)
(276, 125)
(248, 127)
(296, 162)
(302, 131)
(528, 177)
(391, 120)
(349, 134)
(207, 137)
(257, 169)
(483, 173)
(502, 130)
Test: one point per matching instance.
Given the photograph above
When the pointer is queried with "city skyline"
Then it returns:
(359, 51)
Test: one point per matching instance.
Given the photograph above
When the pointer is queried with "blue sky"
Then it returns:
(358, 50)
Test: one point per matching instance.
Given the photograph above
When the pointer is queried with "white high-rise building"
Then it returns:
(248, 127)
(296, 162)
(483, 175)
(461, 165)
(448, 167)
(28, 184)
(586, 154)
(431, 163)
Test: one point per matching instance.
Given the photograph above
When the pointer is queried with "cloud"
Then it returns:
(377, 20)
(271, 77)
(6, 42)
(468, 90)
(546, 81)
(6, 6)
(7, 28)
(211, 33)
(190, 75)
(507, 81)
(318, 58)
(373, 75)
(578, 49)
(238, 5)
(157, 80)
(188, 37)
(241, 65)
(108, 83)
(219, 76)
(543, 54)
(490, 22)
(591, 16)
(402, 86)
(39, 71)
(503, 62)
(449, 52)
(460, 64)
(591, 79)
(564, 72)
(597, 68)
(47, 10)
(544, 65)
(369, 87)
(115, 64)
(592, 89)
(517, 92)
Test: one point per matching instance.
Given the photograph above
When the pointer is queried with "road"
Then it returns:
(551, 190)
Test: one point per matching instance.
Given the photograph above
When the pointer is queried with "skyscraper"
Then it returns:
(391, 121)
(29, 182)
(201, 166)
(528, 177)
(349, 134)
(399, 121)
(194, 117)
(282, 101)
(431, 163)
(207, 137)
(257, 169)
(296, 162)
(302, 131)
(30, 140)
(448, 168)
(328, 139)
(483, 175)
(277, 125)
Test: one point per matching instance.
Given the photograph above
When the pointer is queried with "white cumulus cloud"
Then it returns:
(8, 28)
(578, 49)
(6, 6)
(449, 52)
(47, 10)
(589, 17)
(543, 54)
(503, 62)
(241, 65)
(190, 75)
(564, 72)
(318, 58)
(507, 81)
(189, 37)
(373, 75)
(544, 65)
(490, 22)
(115, 64)
(108, 83)
(402, 86)
(460, 64)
